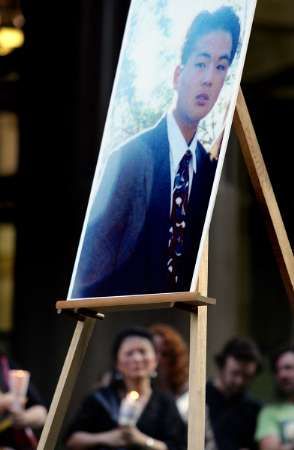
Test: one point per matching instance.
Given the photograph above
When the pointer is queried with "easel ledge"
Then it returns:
(181, 300)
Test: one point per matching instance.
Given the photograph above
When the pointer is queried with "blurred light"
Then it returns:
(10, 38)
(134, 395)
(11, 22)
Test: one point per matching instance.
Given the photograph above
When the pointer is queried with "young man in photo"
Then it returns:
(275, 427)
(147, 217)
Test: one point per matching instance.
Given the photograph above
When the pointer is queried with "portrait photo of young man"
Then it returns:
(146, 218)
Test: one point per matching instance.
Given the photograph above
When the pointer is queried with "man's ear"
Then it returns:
(177, 73)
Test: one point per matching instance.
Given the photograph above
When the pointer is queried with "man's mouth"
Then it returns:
(286, 385)
(202, 99)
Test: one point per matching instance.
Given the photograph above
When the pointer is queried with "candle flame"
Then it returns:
(20, 373)
(134, 395)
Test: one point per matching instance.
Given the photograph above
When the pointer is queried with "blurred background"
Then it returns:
(56, 75)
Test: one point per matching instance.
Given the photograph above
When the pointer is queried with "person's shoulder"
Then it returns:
(273, 408)
(139, 150)
(267, 423)
(157, 131)
(99, 396)
(92, 394)
(146, 137)
(103, 391)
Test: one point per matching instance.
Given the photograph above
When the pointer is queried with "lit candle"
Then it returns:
(18, 384)
(130, 409)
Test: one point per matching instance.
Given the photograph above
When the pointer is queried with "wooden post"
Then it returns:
(62, 396)
(265, 194)
(197, 366)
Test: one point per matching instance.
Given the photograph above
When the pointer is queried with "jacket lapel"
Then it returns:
(159, 207)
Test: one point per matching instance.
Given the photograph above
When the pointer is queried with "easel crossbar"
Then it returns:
(148, 301)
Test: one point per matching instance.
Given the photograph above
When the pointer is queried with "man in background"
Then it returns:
(232, 411)
(275, 428)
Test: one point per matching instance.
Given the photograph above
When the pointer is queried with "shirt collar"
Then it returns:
(177, 143)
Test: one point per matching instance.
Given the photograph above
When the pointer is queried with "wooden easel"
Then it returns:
(87, 311)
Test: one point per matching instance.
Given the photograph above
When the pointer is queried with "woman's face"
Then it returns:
(136, 358)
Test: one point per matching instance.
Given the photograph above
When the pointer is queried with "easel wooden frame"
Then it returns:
(87, 311)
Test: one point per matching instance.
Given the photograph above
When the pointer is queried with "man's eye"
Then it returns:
(200, 65)
(221, 67)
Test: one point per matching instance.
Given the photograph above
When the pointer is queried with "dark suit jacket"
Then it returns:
(126, 240)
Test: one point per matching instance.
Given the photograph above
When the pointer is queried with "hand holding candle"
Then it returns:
(18, 386)
(130, 409)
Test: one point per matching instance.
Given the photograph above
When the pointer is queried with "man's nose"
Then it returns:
(208, 75)
(283, 374)
(240, 381)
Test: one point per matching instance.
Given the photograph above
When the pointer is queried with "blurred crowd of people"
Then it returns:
(143, 402)
(155, 364)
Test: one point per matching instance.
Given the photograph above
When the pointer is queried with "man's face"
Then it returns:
(236, 375)
(285, 374)
(199, 81)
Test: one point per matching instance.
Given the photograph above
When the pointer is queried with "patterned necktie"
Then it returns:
(178, 220)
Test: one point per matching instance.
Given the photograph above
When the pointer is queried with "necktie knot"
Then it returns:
(185, 159)
(182, 176)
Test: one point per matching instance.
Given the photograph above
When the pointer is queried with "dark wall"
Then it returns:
(66, 76)
(272, 117)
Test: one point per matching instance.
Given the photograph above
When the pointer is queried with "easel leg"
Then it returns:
(197, 367)
(70, 370)
(265, 194)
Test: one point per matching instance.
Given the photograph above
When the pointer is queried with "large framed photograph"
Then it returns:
(163, 147)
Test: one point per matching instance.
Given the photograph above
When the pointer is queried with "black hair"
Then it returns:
(223, 18)
(278, 353)
(130, 332)
(242, 349)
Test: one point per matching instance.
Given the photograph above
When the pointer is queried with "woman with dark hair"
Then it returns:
(104, 418)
